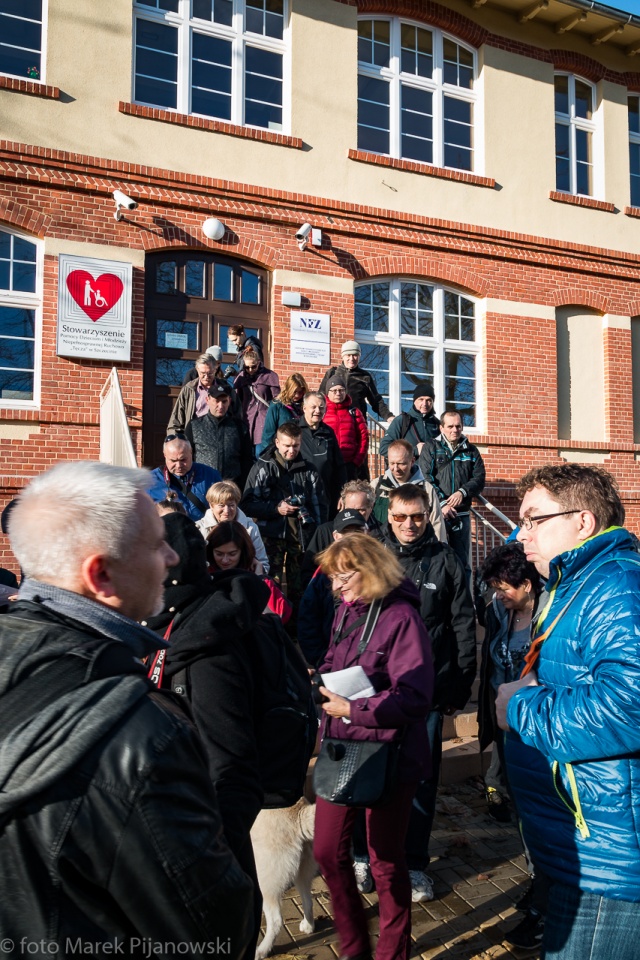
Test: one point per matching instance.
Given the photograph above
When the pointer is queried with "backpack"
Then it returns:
(285, 718)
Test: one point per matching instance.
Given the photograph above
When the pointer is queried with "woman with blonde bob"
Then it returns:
(286, 406)
(223, 499)
(398, 664)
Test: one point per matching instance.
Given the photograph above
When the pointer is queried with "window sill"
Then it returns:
(31, 87)
(581, 201)
(632, 212)
(412, 166)
(215, 126)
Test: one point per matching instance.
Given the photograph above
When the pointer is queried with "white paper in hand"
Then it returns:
(352, 684)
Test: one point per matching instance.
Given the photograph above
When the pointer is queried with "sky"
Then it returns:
(630, 6)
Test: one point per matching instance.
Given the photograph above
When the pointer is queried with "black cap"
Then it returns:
(424, 390)
(219, 388)
(349, 518)
(336, 381)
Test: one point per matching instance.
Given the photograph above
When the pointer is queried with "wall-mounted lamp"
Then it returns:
(213, 229)
(291, 298)
(123, 202)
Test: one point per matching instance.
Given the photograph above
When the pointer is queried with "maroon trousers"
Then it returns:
(386, 830)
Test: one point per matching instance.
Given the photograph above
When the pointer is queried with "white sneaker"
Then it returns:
(364, 879)
(421, 886)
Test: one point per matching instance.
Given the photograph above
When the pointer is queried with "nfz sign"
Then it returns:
(311, 338)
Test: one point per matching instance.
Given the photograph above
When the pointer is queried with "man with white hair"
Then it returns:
(192, 400)
(184, 477)
(110, 835)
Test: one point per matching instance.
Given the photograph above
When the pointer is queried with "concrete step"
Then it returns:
(461, 759)
(464, 723)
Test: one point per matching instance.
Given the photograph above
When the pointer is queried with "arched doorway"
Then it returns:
(191, 299)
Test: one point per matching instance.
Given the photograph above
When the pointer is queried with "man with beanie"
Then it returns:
(417, 425)
(360, 385)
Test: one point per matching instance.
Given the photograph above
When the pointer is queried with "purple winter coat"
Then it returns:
(265, 384)
(398, 662)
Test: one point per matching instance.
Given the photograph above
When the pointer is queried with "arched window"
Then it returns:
(575, 128)
(19, 313)
(414, 330)
(416, 93)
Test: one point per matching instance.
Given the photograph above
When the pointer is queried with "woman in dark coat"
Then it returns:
(320, 449)
(398, 664)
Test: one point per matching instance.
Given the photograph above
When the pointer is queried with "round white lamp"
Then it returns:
(213, 229)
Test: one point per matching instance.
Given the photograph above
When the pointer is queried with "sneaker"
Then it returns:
(497, 805)
(421, 886)
(364, 879)
(527, 935)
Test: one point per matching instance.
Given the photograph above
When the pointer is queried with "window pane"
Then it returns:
(16, 353)
(211, 76)
(222, 282)
(373, 115)
(457, 64)
(16, 385)
(263, 88)
(156, 64)
(634, 163)
(166, 277)
(416, 124)
(218, 11)
(460, 388)
(584, 100)
(194, 280)
(30, 9)
(171, 373)
(24, 277)
(177, 335)
(458, 134)
(19, 63)
(230, 347)
(416, 309)
(634, 114)
(416, 53)
(459, 321)
(583, 162)
(372, 307)
(265, 17)
(249, 287)
(561, 85)
(563, 171)
(24, 250)
(17, 322)
(375, 359)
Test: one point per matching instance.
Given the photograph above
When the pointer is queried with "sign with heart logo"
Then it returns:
(94, 308)
(95, 296)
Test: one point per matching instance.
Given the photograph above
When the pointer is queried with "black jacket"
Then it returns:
(446, 608)
(448, 471)
(412, 426)
(361, 387)
(122, 836)
(269, 482)
(222, 443)
(320, 449)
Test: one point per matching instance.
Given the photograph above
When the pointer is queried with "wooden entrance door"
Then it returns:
(191, 299)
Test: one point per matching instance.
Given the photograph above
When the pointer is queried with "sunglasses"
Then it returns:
(414, 517)
(174, 436)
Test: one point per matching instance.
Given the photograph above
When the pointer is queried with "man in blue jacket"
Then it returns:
(573, 720)
(182, 478)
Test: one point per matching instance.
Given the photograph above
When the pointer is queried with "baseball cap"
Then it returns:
(349, 518)
(219, 388)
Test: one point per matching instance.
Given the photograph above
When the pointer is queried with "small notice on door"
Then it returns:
(176, 341)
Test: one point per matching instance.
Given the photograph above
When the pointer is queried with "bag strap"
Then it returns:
(258, 397)
(191, 497)
(40, 689)
(156, 670)
(370, 625)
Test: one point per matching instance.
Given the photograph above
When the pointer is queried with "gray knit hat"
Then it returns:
(351, 346)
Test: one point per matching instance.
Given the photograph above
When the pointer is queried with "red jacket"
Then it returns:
(350, 428)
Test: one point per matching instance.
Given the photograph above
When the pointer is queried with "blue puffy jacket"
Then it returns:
(585, 715)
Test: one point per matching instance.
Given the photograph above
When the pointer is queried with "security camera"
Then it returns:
(122, 200)
(303, 232)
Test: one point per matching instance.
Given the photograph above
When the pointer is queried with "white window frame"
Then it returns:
(394, 341)
(239, 40)
(30, 301)
(435, 85)
(593, 126)
(43, 50)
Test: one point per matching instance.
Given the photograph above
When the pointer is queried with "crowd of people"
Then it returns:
(265, 581)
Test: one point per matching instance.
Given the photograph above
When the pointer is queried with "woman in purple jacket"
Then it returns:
(397, 661)
(256, 387)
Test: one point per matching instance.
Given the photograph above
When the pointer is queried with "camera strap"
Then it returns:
(369, 619)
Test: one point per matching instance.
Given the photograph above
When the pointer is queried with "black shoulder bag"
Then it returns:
(357, 773)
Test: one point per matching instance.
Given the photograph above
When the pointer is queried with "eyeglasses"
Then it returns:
(174, 436)
(528, 522)
(343, 578)
(414, 517)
